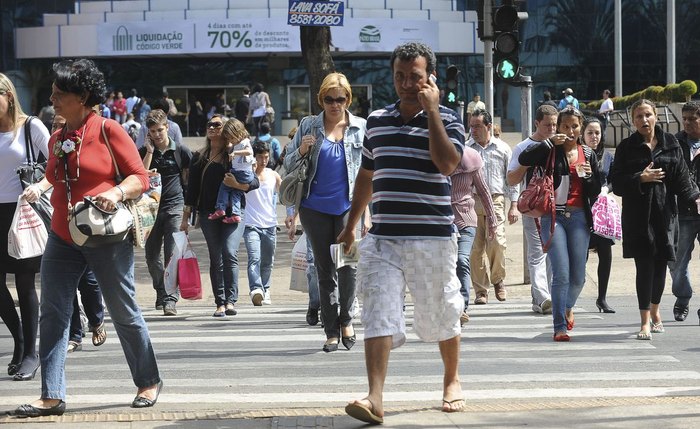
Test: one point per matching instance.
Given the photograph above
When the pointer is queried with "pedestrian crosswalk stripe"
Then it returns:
(241, 354)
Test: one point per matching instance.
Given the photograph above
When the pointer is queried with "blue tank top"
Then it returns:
(329, 188)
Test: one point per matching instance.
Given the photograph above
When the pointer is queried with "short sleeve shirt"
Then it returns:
(411, 199)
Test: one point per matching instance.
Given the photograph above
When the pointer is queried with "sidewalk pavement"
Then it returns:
(620, 413)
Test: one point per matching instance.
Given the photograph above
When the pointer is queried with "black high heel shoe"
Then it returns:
(348, 342)
(29, 375)
(603, 306)
(330, 347)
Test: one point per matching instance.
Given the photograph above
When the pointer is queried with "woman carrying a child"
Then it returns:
(209, 168)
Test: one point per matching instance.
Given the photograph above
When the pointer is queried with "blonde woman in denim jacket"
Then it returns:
(333, 142)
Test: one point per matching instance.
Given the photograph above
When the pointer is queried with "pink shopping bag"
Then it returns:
(188, 277)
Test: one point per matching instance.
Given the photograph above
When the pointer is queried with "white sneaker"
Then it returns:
(546, 306)
(257, 296)
(266, 298)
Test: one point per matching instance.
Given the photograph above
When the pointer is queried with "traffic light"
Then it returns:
(506, 43)
(451, 86)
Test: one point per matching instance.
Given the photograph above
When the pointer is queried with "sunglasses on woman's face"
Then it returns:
(330, 100)
(214, 124)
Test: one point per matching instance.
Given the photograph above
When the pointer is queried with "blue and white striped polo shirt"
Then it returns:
(410, 198)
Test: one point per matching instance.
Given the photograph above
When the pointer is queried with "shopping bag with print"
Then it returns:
(170, 274)
(297, 280)
(188, 277)
(607, 220)
(27, 235)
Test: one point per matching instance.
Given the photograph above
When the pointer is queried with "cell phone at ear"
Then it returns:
(433, 78)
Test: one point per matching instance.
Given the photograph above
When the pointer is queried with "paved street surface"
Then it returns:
(264, 367)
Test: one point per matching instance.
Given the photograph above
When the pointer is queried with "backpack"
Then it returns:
(133, 132)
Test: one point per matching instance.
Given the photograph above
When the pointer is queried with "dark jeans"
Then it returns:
(223, 241)
(91, 297)
(167, 223)
(322, 230)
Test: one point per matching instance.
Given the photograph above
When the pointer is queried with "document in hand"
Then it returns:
(340, 258)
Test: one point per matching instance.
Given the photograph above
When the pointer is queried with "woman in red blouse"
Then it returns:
(80, 165)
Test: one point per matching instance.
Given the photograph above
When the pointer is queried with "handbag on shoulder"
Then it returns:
(144, 208)
(537, 199)
(292, 186)
(92, 226)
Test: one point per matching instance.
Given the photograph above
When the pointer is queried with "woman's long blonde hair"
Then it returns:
(14, 109)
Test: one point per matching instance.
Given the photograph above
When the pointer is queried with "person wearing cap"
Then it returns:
(473, 105)
(568, 100)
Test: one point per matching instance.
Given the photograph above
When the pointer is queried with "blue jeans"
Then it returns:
(464, 250)
(223, 241)
(688, 232)
(62, 266)
(260, 244)
(567, 257)
(231, 197)
(312, 277)
(167, 223)
(91, 297)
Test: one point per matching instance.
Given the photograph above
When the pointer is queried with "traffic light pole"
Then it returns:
(488, 56)
(526, 131)
(526, 106)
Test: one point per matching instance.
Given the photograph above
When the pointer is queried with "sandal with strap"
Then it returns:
(74, 346)
(657, 328)
(99, 335)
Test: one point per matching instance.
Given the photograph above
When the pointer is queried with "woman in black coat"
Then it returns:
(649, 173)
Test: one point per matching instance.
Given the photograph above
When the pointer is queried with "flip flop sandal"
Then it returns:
(99, 335)
(454, 402)
(363, 413)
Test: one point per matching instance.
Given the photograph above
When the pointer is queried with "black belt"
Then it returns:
(568, 210)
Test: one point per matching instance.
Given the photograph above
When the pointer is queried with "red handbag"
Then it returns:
(188, 278)
(537, 199)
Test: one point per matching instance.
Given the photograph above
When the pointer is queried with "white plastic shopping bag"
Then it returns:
(27, 235)
(297, 280)
(180, 239)
(607, 216)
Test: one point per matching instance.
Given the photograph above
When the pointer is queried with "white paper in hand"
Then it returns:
(340, 258)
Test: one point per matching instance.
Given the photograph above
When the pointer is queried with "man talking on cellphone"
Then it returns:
(410, 148)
